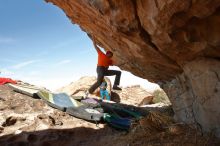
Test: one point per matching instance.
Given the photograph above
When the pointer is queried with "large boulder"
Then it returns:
(79, 87)
(162, 41)
(195, 94)
(135, 95)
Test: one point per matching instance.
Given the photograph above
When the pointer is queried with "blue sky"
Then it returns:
(40, 45)
(38, 42)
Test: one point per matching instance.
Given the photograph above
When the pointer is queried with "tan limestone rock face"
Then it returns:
(135, 95)
(159, 40)
(79, 87)
(195, 94)
(116, 26)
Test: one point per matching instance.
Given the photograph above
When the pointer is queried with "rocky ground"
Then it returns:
(28, 121)
(133, 95)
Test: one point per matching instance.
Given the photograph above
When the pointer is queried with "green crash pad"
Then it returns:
(60, 101)
(64, 102)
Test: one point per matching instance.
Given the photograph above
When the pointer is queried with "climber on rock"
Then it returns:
(104, 61)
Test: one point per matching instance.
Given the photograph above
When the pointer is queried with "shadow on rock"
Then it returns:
(59, 137)
(115, 97)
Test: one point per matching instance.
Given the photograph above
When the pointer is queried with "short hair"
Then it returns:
(109, 52)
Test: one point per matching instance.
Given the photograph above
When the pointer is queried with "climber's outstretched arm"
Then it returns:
(95, 45)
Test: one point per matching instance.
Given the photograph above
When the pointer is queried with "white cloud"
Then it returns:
(24, 64)
(63, 62)
(5, 72)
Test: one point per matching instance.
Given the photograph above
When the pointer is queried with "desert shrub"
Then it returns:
(160, 96)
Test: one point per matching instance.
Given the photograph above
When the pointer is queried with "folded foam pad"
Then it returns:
(120, 111)
(29, 90)
(60, 101)
(91, 102)
(118, 122)
(64, 102)
(86, 113)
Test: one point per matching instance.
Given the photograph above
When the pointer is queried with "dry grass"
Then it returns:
(155, 121)
(158, 129)
(160, 96)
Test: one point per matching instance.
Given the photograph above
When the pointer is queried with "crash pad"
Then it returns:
(60, 101)
(26, 89)
(64, 102)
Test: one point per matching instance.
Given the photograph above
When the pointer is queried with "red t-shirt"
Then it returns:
(103, 60)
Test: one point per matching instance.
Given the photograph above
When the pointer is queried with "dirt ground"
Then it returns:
(28, 121)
